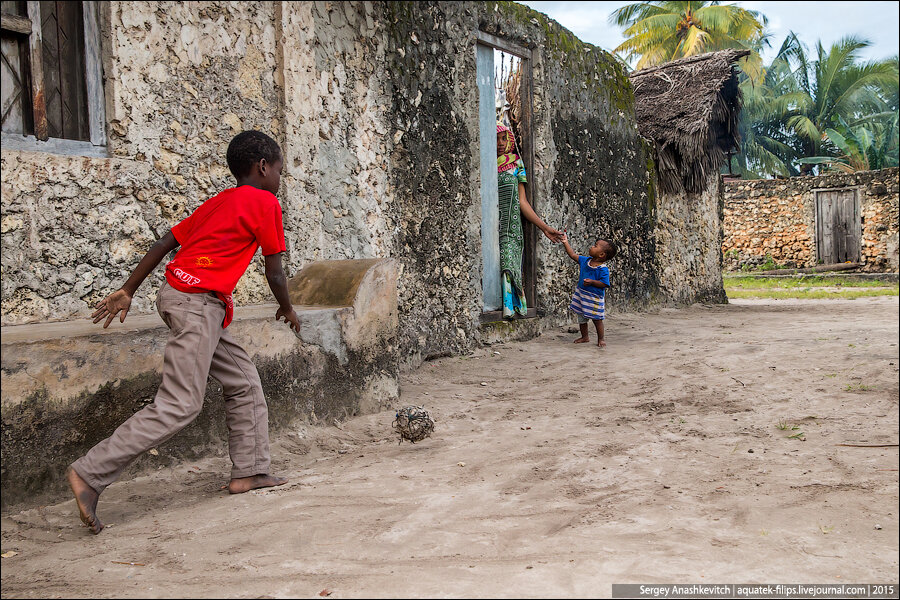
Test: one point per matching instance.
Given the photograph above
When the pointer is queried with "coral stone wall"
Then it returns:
(375, 105)
(594, 172)
(180, 80)
(689, 245)
(776, 218)
(590, 168)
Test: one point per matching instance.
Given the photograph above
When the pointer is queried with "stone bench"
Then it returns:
(68, 385)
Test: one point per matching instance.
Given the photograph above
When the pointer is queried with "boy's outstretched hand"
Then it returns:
(107, 308)
(290, 317)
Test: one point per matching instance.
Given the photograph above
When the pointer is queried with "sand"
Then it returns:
(555, 470)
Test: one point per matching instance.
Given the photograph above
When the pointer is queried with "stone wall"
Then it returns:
(590, 168)
(689, 245)
(375, 105)
(180, 80)
(775, 219)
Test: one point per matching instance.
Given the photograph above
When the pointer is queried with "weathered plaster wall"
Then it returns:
(375, 105)
(590, 170)
(181, 79)
(596, 171)
(434, 172)
(776, 218)
(336, 132)
(689, 245)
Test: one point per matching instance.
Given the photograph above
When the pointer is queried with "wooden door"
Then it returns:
(837, 226)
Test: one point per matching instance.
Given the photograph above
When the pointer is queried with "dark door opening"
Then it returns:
(505, 96)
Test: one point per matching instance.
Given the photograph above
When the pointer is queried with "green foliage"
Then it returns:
(661, 31)
(832, 111)
(802, 114)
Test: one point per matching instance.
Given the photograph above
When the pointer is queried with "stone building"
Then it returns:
(377, 108)
(689, 108)
(817, 220)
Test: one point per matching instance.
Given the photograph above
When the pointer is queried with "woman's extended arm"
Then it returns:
(554, 235)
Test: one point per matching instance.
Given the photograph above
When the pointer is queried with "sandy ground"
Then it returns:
(555, 470)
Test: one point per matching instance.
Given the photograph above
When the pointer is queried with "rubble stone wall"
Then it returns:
(375, 106)
(689, 245)
(776, 219)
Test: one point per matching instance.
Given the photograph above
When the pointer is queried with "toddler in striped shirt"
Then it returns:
(588, 300)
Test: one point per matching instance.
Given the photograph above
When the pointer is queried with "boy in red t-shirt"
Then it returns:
(218, 241)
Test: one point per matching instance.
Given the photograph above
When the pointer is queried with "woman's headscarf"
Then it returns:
(506, 157)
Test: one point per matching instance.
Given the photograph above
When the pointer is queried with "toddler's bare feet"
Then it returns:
(601, 343)
(581, 340)
(245, 484)
(86, 499)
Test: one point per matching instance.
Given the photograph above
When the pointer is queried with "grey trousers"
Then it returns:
(198, 347)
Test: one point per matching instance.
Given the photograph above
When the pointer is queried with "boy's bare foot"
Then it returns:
(581, 340)
(86, 499)
(245, 484)
(601, 343)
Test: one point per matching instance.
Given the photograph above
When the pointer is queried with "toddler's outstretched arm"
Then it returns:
(120, 300)
(572, 254)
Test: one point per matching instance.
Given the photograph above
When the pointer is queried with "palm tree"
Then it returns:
(870, 143)
(832, 111)
(768, 147)
(837, 86)
(662, 31)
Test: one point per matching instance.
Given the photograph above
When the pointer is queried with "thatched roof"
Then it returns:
(689, 108)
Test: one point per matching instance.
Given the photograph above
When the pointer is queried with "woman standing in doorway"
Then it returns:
(513, 206)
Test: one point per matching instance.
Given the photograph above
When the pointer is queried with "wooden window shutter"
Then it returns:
(15, 110)
(62, 55)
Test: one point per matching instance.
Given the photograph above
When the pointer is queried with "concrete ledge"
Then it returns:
(68, 385)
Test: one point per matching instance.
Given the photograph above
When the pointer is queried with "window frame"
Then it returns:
(96, 99)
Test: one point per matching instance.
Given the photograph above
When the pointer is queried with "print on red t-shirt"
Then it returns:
(219, 239)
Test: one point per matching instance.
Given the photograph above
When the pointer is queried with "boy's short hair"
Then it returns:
(249, 147)
(613, 248)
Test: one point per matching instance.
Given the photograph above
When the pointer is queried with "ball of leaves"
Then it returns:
(413, 423)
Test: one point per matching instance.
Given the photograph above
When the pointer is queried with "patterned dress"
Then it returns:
(512, 239)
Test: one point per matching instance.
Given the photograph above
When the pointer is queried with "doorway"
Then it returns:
(838, 232)
(504, 78)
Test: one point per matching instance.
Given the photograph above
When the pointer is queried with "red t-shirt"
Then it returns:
(219, 239)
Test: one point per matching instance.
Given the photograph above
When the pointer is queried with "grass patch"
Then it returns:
(807, 287)
(756, 283)
(807, 293)
(862, 387)
(788, 427)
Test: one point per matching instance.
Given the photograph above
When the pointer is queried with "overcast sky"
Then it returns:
(812, 21)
